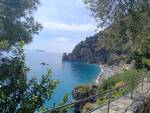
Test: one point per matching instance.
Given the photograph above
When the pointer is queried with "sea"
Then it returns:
(69, 74)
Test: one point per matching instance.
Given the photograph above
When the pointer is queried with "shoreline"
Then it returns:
(108, 71)
(99, 78)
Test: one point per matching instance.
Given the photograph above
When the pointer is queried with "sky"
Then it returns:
(65, 22)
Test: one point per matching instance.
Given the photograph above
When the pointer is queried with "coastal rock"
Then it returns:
(86, 51)
(81, 92)
(44, 64)
(65, 57)
(92, 51)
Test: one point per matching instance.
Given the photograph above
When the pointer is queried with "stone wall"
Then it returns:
(140, 105)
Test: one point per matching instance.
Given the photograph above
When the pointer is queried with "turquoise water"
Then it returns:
(69, 74)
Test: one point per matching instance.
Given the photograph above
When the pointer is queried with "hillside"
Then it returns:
(118, 42)
(92, 51)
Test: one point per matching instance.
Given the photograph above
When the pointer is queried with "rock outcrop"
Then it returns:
(86, 51)
(82, 92)
(92, 51)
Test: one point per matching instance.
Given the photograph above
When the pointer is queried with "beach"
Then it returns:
(108, 71)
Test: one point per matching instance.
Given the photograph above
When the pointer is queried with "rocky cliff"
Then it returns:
(92, 51)
(86, 51)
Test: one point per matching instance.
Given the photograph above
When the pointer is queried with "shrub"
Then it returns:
(129, 77)
(82, 89)
(88, 107)
(146, 62)
(120, 84)
(102, 100)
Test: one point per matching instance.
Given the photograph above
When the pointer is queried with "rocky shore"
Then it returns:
(108, 71)
(84, 91)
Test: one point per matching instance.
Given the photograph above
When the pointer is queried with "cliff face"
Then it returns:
(85, 51)
(92, 51)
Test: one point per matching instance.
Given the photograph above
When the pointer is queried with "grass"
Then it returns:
(83, 88)
(146, 61)
(129, 77)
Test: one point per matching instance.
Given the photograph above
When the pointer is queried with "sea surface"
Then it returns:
(69, 74)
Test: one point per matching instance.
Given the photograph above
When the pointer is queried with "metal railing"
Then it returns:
(133, 86)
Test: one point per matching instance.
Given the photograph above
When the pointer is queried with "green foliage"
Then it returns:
(129, 26)
(146, 61)
(83, 89)
(126, 36)
(62, 102)
(88, 107)
(109, 11)
(102, 100)
(128, 77)
(17, 22)
(17, 95)
(4, 45)
(115, 94)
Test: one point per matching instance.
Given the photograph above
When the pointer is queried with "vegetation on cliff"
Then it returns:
(92, 50)
(131, 78)
(87, 51)
(126, 37)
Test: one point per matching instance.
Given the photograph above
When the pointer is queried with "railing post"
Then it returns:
(131, 94)
(131, 89)
(147, 82)
(142, 84)
(148, 78)
(109, 100)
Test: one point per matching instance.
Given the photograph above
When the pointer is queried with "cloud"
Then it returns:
(65, 22)
(68, 26)
(65, 15)
(62, 39)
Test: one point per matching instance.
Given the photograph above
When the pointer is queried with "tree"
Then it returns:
(17, 95)
(110, 11)
(17, 22)
(4, 45)
(129, 24)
